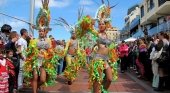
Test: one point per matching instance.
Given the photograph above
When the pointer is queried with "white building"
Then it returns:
(132, 14)
(154, 15)
(113, 34)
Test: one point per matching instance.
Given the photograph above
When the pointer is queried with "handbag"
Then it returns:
(163, 59)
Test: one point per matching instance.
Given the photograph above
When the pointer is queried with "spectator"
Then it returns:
(148, 67)
(21, 47)
(163, 62)
(11, 45)
(53, 42)
(5, 31)
(1, 43)
(5, 65)
(88, 54)
(123, 49)
(134, 54)
(143, 56)
(155, 54)
(12, 76)
(60, 47)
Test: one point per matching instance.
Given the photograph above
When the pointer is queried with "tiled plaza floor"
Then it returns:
(127, 83)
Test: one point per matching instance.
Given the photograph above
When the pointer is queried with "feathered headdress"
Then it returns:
(62, 22)
(43, 18)
(71, 28)
(104, 11)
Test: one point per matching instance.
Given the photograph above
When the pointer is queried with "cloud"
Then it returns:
(54, 3)
(86, 2)
(2, 2)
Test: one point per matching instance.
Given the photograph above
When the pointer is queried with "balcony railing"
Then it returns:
(138, 34)
(164, 26)
(153, 30)
(160, 28)
(135, 22)
(161, 2)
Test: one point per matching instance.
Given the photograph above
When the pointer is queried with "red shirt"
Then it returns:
(123, 49)
(88, 51)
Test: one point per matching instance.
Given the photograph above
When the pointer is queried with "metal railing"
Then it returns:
(138, 34)
(163, 27)
(135, 22)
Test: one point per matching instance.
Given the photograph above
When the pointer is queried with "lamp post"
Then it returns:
(32, 7)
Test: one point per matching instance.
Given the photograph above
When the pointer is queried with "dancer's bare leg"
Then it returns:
(42, 76)
(96, 87)
(108, 80)
(34, 81)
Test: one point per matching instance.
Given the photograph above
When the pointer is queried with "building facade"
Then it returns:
(131, 22)
(113, 34)
(155, 16)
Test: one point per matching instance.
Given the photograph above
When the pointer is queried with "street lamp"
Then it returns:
(32, 7)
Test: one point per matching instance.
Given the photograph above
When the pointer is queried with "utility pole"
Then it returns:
(32, 8)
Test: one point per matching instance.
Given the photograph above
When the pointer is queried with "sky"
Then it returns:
(67, 9)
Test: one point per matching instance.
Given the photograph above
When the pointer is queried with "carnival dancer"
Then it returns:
(71, 54)
(102, 60)
(71, 59)
(103, 67)
(40, 63)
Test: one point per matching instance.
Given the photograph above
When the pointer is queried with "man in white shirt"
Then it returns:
(21, 47)
(60, 47)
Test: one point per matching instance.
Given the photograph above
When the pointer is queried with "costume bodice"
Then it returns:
(43, 43)
(103, 40)
(74, 44)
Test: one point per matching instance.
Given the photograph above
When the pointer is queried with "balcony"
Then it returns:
(161, 2)
(164, 27)
(153, 31)
(135, 22)
(164, 7)
(138, 34)
(160, 28)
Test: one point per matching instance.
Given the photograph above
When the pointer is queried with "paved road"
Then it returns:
(127, 83)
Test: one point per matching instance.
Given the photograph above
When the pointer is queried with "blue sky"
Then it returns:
(68, 9)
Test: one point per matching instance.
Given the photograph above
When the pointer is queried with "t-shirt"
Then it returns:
(60, 47)
(23, 43)
(88, 51)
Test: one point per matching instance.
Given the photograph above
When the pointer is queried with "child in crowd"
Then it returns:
(12, 77)
(5, 65)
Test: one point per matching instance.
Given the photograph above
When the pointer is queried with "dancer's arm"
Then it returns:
(94, 32)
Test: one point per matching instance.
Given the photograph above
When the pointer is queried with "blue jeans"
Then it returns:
(88, 59)
(60, 66)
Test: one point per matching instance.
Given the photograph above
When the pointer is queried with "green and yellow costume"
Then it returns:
(33, 63)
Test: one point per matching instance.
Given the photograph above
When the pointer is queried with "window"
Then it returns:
(142, 11)
(161, 2)
(150, 5)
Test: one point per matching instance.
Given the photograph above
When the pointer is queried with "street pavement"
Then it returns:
(126, 83)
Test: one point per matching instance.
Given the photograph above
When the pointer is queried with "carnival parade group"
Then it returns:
(26, 61)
